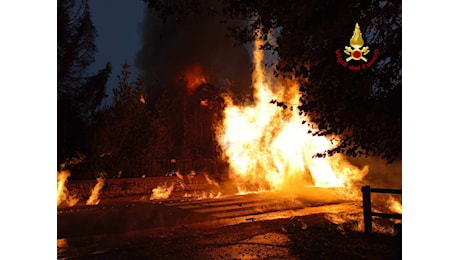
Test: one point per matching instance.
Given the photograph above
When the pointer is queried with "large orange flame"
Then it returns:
(268, 147)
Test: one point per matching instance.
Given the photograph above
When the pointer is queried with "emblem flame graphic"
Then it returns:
(356, 41)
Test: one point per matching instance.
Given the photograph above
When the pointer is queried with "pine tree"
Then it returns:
(79, 94)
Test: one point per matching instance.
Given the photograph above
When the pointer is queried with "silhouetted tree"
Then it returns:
(362, 107)
(79, 94)
(127, 134)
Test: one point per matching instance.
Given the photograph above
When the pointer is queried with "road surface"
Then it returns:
(126, 226)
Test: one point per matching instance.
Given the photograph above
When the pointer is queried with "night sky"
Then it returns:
(118, 25)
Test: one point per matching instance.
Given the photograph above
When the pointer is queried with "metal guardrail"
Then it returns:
(367, 209)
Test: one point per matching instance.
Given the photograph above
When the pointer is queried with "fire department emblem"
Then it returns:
(356, 51)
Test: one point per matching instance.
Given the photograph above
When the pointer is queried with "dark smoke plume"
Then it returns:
(170, 48)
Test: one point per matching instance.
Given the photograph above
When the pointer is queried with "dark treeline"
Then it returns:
(135, 135)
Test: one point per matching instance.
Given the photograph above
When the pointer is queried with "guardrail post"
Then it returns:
(366, 190)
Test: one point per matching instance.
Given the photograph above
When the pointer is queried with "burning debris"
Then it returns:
(63, 196)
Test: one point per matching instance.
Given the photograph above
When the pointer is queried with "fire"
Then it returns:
(203, 195)
(162, 192)
(61, 243)
(194, 77)
(63, 196)
(204, 102)
(211, 181)
(268, 148)
(355, 222)
(209, 195)
(394, 205)
(180, 180)
(94, 198)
